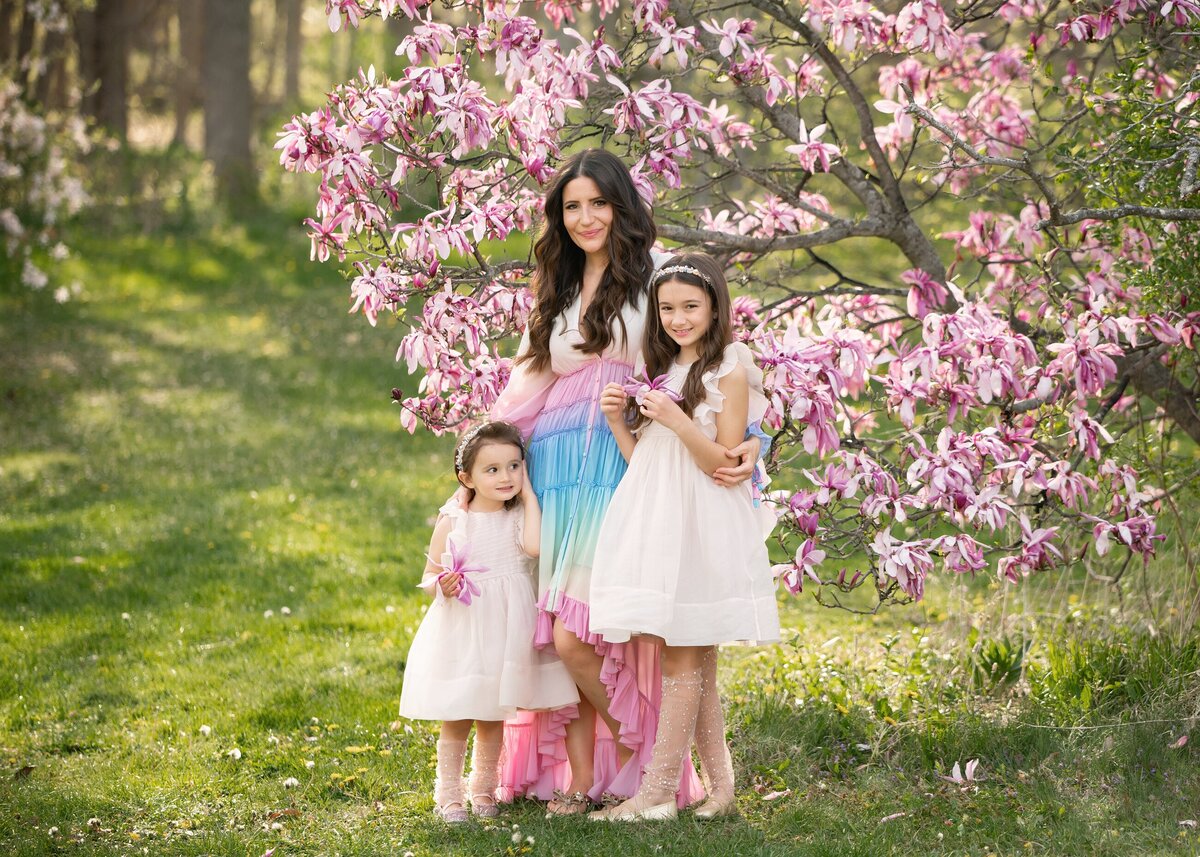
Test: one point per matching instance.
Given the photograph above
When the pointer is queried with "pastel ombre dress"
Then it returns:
(575, 466)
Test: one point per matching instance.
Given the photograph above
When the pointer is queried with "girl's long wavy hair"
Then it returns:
(659, 350)
(560, 261)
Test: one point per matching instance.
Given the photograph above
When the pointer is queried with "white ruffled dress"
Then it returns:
(477, 661)
(678, 556)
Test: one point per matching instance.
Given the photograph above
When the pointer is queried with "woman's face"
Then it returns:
(587, 215)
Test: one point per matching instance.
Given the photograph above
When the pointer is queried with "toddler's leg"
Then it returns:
(681, 685)
(448, 788)
(485, 767)
(715, 763)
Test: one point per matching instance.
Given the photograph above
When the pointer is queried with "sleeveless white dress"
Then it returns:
(477, 661)
(678, 556)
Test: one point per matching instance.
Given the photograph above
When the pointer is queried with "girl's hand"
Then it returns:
(612, 402)
(745, 456)
(661, 408)
(451, 584)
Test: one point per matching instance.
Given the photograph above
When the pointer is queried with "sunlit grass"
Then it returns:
(211, 527)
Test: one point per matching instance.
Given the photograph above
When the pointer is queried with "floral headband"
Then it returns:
(464, 443)
(682, 269)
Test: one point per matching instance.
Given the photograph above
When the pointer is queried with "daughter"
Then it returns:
(679, 557)
(471, 659)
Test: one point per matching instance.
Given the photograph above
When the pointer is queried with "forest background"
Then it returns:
(211, 522)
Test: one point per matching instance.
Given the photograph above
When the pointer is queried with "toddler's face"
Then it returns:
(496, 474)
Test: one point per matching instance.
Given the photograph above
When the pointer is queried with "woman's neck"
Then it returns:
(594, 266)
(687, 354)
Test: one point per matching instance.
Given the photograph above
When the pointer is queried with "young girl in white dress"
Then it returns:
(679, 557)
(472, 659)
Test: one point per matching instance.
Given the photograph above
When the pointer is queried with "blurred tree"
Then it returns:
(227, 99)
(190, 18)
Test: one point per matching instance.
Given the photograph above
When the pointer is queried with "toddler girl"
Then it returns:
(679, 557)
(472, 659)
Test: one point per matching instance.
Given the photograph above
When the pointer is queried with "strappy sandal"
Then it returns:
(576, 803)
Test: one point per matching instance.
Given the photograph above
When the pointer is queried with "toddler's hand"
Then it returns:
(661, 408)
(612, 402)
(451, 584)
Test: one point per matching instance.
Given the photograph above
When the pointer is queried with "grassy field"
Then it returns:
(210, 528)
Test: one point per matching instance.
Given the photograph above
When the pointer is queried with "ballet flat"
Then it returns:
(711, 809)
(659, 812)
(484, 810)
(452, 816)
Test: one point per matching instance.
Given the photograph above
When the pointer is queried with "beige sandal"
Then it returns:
(576, 803)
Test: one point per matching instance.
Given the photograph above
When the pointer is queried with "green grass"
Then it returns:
(205, 439)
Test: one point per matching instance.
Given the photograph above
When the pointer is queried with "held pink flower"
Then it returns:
(637, 386)
(459, 565)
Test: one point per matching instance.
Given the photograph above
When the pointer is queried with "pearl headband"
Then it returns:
(682, 269)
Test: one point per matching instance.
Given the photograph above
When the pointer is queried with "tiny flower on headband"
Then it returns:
(460, 566)
(663, 273)
(638, 386)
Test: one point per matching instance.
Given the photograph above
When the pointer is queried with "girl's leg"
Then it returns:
(584, 665)
(715, 762)
(485, 767)
(448, 788)
(581, 745)
(681, 687)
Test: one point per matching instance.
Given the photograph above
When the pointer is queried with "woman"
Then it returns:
(594, 264)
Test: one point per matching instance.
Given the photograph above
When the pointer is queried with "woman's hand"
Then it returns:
(612, 402)
(526, 485)
(664, 410)
(462, 496)
(746, 456)
(451, 584)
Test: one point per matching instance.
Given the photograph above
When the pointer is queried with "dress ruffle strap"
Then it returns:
(736, 354)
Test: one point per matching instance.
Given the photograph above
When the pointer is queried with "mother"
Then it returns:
(594, 263)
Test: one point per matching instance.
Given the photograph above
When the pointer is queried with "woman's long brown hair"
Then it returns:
(659, 350)
(560, 261)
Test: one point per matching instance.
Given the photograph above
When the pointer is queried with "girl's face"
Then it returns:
(587, 215)
(685, 311)
(496, 474)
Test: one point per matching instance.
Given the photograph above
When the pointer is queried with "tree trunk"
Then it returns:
(227, 100)
(24, 50)
(293, 39)
(51, 85)
(112, 66)
(8, 9)
(84, 27)
(190, 17)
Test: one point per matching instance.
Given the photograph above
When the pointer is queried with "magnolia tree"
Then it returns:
(39, 186)
(962, 413)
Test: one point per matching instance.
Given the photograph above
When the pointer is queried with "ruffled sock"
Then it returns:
(448, 792)
(485, 777)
